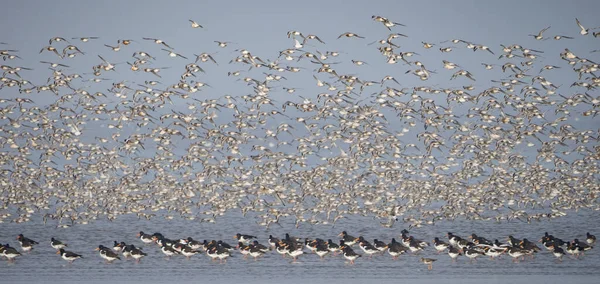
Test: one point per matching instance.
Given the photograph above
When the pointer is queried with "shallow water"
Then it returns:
(42, 265)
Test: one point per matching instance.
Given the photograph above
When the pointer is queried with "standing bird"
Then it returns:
(68, 256)
(558, 252)
(26, 243)
(454, 253)
(590, 239)
(244, 238)
(348, 239)
(9, 252)
(429, 262)
(22, 238)
(439, 245)
(145, 238)
(56, 244)
(136, 253)
(107, 254)
(349, 253)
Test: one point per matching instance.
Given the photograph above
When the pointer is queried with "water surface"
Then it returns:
(42, 265)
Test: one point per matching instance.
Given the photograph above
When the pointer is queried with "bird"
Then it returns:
(168, 250)
(590, 239)
(583, 31)
(86, 39)
(559, 37)
(68, 256)
(173, 54)
(57, 39)
(107, 254)
(429, 262)
(188, 252)
(558, 252)
(158, 41)
(244, 238)
(52, 49)
(349, 35)
(515, 253)
(145, 238)
(222, 44)
(136, 253)
(395, 249)
(349, 253)
(26, 243)
(348, 239)
(539, 36)
(256, 252)
(454, 253)
(439, 245)
(9, 252)
(56, 244)
(194, 24)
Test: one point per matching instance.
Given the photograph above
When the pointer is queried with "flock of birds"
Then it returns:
(84, 145)
(248, 245)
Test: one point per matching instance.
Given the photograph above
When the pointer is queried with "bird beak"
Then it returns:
(96, 249)
(138, 235)
(340, 235)
(57, 252)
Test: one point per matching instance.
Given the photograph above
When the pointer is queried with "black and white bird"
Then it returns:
(26, 243)
(68, 256)
(349, 253)
(246, 239)
(590, 239)
(136, 253)
(56, 244)
(9, 252)
(107, 254)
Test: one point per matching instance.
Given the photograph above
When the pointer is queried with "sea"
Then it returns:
(43, 265)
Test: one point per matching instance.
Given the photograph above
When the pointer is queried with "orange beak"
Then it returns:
(138, 235)
(57, 252)
(96, 249)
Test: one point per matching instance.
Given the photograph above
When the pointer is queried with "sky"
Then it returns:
(261, 28)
